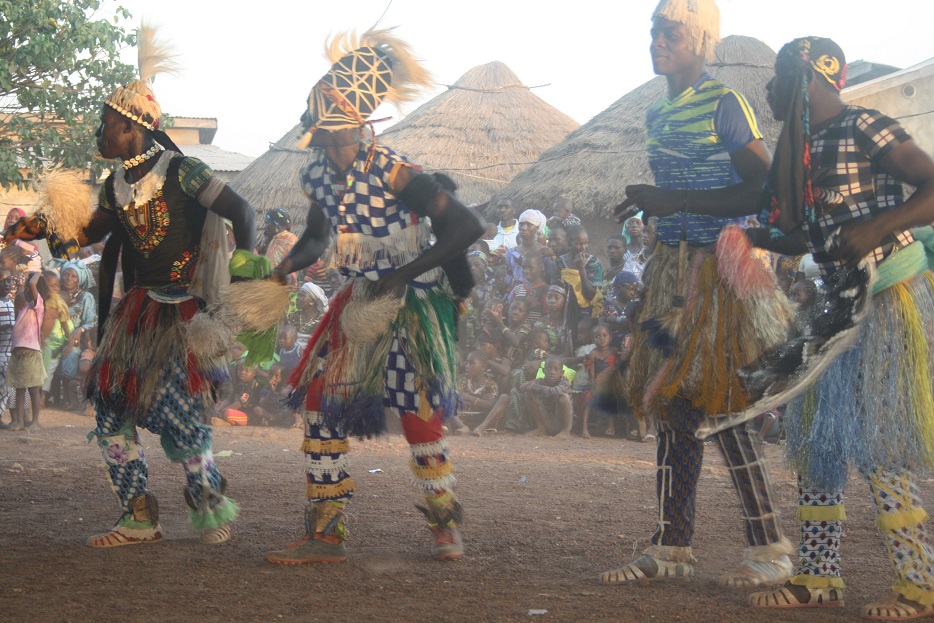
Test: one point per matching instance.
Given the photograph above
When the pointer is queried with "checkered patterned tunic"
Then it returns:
(849, 182)
(376, 233)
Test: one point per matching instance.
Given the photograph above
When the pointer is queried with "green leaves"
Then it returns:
(59, 60)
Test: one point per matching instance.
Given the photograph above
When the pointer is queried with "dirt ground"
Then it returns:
(545, 517)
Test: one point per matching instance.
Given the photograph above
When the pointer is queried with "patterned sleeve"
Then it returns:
(877, 135)
(192, 174)
(735, 122)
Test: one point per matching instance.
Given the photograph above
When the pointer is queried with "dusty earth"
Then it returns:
(545, 517)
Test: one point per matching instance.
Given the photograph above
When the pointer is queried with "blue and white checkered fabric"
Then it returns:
(367, 219)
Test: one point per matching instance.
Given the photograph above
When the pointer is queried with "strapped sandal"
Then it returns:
(895, 607)
(648, 568)
(784, 597)
(122, 535)
(758, 573)
(216, 536)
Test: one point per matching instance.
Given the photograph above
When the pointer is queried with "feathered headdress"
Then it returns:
(701, 19)
(366, 70)
(136, 100)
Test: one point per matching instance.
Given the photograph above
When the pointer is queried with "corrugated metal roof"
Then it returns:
(217, 158)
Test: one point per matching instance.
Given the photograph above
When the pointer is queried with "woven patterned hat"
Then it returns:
(366, 70)
(701, 19)
(136, 100)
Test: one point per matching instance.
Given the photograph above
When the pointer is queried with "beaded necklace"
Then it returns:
(140, 159)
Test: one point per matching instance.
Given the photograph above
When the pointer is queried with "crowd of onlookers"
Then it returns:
(547, 322)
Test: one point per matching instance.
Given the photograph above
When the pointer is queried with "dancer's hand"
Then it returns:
(857, 240)
(392, 284)
(652, 200)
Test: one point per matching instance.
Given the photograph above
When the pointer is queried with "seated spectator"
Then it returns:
(549, 401)
(582, 271)
(500, 367)
(532, 287)
(270, 409)
(478, 394)
(242, 395)
(531, 225)
(290, 353)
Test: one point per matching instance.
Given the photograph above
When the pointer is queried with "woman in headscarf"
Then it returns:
(76, 280)
(311, 303)
(531, 226)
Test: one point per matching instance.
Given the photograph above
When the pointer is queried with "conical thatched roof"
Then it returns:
(271, 181)
(482, 131)
(594, 164)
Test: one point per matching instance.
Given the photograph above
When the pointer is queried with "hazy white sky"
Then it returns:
(251, 65)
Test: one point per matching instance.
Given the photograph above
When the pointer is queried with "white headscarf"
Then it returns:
(316, 293)
(535, 218)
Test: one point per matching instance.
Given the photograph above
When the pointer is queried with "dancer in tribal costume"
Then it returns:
(158, 205)
(836, 191)
(387, 339)
(699, 323)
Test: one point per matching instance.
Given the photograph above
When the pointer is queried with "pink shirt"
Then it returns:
(28, 326)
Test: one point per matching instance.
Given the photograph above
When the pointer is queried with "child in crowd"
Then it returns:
(514, 335)
(548, 400)
(478, 394)
(26, 371)
(242, 395)
(289, 351)
(270, 409)
(596, 363)
(500, 367)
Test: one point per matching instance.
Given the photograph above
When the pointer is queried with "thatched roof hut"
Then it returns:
(271, 181)
(594, 164)
(482, 131)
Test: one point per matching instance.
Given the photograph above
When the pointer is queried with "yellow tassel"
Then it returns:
(325, 492)
(919, 384)
(326, 446)
(902, 519)
(914, 593)
(822, 513)
(817, 581)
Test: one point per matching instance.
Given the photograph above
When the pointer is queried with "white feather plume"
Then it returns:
(155, 56)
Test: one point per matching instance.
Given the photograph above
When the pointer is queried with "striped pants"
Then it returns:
(679, 458)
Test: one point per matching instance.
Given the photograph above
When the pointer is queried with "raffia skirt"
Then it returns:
(733, 312)
(26, 369)
(874, 406)
(145, 336)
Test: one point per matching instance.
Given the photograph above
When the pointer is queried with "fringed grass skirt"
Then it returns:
(692, 353)
(874, 406)
(363, 353)
(143, 336)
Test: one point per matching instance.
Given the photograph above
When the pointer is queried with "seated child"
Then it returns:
(478, 393)
(242, 395)
(549, 400)
(270, 409)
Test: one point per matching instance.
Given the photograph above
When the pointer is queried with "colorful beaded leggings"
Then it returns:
(326, 458)
(821, 514)
(901, 519)
(175, 416)
(679, 457)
